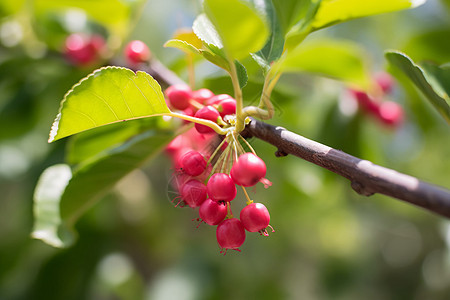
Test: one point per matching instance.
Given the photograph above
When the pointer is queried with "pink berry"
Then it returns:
(248, 170)
(202, 95)
(227, 107)
(207, 113)
(137, 52)
(230, 234)
(384, 81)
(221, 187)
(217, 99)
(83, 50)
(391, 113)
(365, 102)
(179, 96)
(193, 193)
(193, 163)
(212, 212)
(255, 217)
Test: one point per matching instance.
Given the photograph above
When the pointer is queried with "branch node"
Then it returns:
(361, 189)
(280, 153)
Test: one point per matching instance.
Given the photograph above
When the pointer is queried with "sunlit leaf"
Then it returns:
(240, 28)
(340, 60)
(337, 11)
(62, 195)
(182, 45)
(108, 95)
(434, 85)
(290, 12)
(189, 37)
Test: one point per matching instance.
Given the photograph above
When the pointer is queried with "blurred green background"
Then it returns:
(329, 242)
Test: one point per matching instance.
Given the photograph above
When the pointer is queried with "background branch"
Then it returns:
(366, 178)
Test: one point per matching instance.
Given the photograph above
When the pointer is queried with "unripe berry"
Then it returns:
(193, 193)
(255, 217)
(230, 234)
(221, 187)
(193, 163)
(207, 113)
(248, 170)
(137, 52)
(212, 212)
(179, 96)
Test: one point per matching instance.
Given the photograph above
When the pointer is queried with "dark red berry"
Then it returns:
(230, 234)
(227, 107)
(212, 212)
(391, 113)
(137, 52)
(193, 163)
(202, 95)
(207, 113)
(193, 193)
(221, 187)
(179, 96)
(255, 217)
(248, 170)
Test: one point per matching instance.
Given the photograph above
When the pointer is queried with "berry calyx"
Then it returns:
(212, 212)
(193, 163)
(255, 217)
(248, 170)
(230, 234)
(207, 113)
(221, 187)
(137, 52)
(193, 193)
(179, 96)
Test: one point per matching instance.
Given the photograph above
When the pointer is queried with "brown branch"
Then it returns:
(366, 178)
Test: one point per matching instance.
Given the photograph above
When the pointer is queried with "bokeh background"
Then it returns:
(329, 242)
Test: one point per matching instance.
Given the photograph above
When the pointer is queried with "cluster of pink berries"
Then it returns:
(208, 179)
(84, 50)
(388, 112)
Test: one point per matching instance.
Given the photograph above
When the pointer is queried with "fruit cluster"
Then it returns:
(387, 112)
(206, 178)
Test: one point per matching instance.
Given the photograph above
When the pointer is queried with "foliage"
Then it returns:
(326, 236)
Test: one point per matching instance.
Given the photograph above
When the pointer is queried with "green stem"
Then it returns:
(208, 123)
(240, 117)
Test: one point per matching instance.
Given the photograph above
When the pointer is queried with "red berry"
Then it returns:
(207, 113)
(391, 113)
(227, 107)
(137, 52)
(248, 170)
(212, 212)
(221, 187)
(365, 102)
(193, 193)
(217, 99)
(230, 234)
(83, 50)
(255, 217)
(179, 96)
(193, 163)
(202, 95)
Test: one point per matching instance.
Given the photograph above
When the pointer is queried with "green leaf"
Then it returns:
(434, 85)
(48, 225)
(340, 60)
(273, 48)
(241, 73)
(62, 197)
(182, 45)
(242, 31)
(431, 45)
(439, 78)
(332, 12)
(109, 95)
(290, 12)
